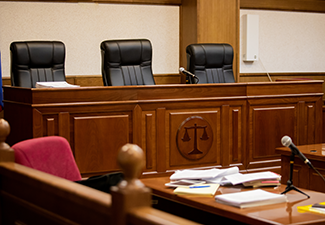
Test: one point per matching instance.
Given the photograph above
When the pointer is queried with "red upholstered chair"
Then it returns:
(50, 154)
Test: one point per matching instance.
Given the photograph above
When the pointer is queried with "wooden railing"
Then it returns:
(28, 196)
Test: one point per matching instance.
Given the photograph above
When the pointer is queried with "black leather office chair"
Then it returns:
(211, 63)
(33, 61)
(127, 62)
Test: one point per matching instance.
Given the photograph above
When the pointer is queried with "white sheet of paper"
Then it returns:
(202, 174)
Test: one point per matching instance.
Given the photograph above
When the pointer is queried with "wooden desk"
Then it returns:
(303, 176)
(177, 126)
(283, 213)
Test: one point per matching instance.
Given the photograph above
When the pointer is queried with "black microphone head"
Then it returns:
(286, 141)
(181, 69)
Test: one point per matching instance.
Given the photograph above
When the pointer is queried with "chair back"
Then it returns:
(51, 154)
(211, 63)
(33, 61)
(127, 62)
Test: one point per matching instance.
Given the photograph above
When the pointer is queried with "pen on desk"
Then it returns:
(202, 186)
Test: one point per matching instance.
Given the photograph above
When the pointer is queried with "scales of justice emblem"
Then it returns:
(194, 138)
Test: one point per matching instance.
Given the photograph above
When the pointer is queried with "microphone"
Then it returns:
(182, 70)
(287, 142)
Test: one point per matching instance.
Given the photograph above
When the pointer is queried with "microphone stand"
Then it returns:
(290, 185)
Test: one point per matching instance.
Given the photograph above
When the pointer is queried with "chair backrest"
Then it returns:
(33, 61)
(127, 62)
(51, 154)
(211, 63)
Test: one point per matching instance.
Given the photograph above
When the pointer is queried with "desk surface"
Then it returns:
(312, 151)
(283, 213)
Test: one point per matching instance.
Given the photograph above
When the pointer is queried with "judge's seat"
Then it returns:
(211, 63)
(51, 154)
(127, 62)
(33, 61)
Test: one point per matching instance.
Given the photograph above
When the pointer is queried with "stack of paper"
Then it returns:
(197, 176)
(184, 183)
(55, 84)
(248, 199)
(202, 190)
(253, 179)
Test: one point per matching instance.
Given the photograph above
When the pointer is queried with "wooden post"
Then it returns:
(6, 153)
(130, 192)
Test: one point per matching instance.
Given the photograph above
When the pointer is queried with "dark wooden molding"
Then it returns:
(150, 2)
(96, 80)
(317, 6)
(281, 74)
(146, 2)
(289, 5)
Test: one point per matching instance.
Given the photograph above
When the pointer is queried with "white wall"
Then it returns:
(83, 26)
(288, 42)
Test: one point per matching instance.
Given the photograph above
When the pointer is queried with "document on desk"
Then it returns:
(202, 190)
(55, 84)
(239, 178)
(202, 174)
(247, 199)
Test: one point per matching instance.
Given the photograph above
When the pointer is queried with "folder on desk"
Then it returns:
(318, 208)
(202, 190)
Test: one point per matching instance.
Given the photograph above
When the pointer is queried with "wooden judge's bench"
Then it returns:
(177, 126)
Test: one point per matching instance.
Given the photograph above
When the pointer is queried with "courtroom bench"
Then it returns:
(28, 196)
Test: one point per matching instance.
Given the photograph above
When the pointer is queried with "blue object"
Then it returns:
(203, 186)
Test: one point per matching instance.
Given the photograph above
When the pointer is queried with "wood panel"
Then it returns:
(96, 80)
(281, 117)
(288, 5)
(233, 124)
(159, 2)
(209, 21)
(149, 140)
(262, 77)
(95, 151)
(267, 125)
(149, 2)
(233, 131)
(323, 122)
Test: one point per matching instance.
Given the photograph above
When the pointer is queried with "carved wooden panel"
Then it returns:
(194, 138)
(97, 140)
